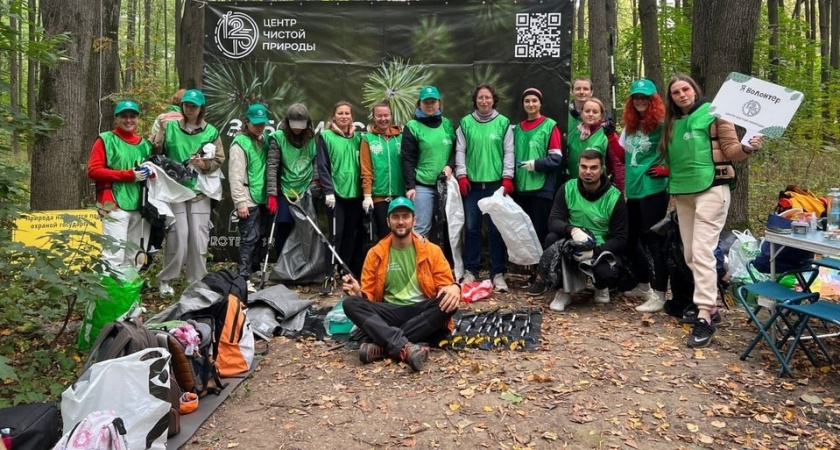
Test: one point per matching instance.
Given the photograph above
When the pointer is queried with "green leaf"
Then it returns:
(6, 371)
(512, 397)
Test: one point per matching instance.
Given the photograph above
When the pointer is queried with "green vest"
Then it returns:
(180, 145)
(690, 153)
(597, 141)
(485, 147)
(386, 164)
(120, 155)
(344, 159)
(434, 146)
(530, 145)
(296, 167)
(572, 129)
(639, 155)
(594, 216)
(255, 157)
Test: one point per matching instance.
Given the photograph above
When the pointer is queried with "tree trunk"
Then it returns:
(728, 48)
(599, 62)
(825, 69)
(32, 67)
(147, 38)
(835, 34)
(70, 89)
(14, 80)
(581, 19)
(189, 56)
(650, 43)
(131, 40)
(773, 24)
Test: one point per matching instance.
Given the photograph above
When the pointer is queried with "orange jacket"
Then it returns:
(433, 272)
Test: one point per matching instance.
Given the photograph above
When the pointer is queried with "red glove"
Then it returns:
(507, 183)
(464, 185)
(658, 172)
(272, 204)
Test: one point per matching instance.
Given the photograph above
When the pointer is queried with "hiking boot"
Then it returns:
(468, 278)
(499, 283)
(166, 290)
(415, 356)
(701, 334)
(602, 296)
(537, 288)
(690, 317)
(638, 292)
(654, 302)
(561, 301)
(370, 352)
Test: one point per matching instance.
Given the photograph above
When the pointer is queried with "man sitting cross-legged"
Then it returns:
(584, 209)
(407, 294)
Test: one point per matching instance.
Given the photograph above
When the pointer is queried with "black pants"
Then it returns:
(537, 208)
(393, 326)
(642, 214)
(253, 231)
(604, 274)
(346, 235)
(380, 219)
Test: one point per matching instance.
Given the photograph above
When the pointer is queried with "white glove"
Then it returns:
(583, 256)
(529, 165)
(367, 204)
(141, 173)
(579, 235)
(329, 199)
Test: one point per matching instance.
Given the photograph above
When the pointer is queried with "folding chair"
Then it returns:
(826, 311)
(781, 296)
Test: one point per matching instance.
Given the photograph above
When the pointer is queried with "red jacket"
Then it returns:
(99, 172)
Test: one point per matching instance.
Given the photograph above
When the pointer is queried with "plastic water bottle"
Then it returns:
(834, 212)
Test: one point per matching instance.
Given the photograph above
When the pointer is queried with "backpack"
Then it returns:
(227, 282)
(100, 430)
(121, 338)
(795, 197)
(196, 373)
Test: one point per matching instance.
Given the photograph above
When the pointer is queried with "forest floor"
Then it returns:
(604, 376)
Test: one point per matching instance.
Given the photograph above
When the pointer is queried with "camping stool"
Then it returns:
(779, 295)
(823, 310)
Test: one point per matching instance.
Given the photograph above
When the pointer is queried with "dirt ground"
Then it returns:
(605, 376)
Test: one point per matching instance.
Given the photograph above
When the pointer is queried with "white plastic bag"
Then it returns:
(455, 221)
(515, 226)
(135, 388)
(743, 250)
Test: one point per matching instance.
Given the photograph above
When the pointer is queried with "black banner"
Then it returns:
(318, 53)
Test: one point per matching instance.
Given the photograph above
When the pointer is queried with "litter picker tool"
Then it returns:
(294, 204)
(268, 250)
(142, 256)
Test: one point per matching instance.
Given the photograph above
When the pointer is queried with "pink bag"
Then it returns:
(100, 430)
(475, 291)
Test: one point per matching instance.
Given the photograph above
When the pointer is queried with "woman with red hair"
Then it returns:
(645, 187)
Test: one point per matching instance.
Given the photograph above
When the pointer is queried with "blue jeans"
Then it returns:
(472, 241)
(424, 209)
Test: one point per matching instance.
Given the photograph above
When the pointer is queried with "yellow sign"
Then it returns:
(34, 229)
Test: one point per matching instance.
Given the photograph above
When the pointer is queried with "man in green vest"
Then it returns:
(587, 209)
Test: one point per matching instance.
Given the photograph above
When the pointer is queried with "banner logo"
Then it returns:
(236, 35)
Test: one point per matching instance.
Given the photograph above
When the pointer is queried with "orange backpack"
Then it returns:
(236, 340)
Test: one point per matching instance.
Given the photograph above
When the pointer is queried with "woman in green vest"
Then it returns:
(484, 161)
(699, 150)
(647, 198)
(428, 149)
(538, 155)
(197, 144)
(381, 161)
(246, 174)
(597, 133)
(339, 170)
(114, 165)
(291, 168)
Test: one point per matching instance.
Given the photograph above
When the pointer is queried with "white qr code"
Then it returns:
(537, 35)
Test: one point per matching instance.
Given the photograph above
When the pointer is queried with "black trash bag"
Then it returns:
(682, 280)
(550, 267)
(177, 171)
(441, 235)
(150, 213)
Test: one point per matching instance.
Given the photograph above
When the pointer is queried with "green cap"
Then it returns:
(643, 86)
(429, 92)
(126, 105)
(257, 114)
(400, 202)
(193, 96)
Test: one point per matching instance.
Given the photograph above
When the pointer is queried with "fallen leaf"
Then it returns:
(233, 445)
(551, 436)
(454, 406)
(468, 393)
(706, 439)
(811, 399)
(718, 424)
(512, 397)
(692, 427)
(464, 424)
(488, 409)
(762, 418)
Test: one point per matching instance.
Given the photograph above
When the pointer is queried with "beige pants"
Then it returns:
(186, 241)
(127, 229)
(701, 218)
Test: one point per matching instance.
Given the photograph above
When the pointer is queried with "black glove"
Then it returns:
(608, 126)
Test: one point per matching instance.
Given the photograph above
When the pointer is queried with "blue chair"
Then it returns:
(823, 310)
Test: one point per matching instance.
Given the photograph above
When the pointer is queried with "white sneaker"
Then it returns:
(654, 302)
(468, 278)
(561, 301)
(251, 287)
(499, 283)
(638, 292)
(602, 296)
(166, 290)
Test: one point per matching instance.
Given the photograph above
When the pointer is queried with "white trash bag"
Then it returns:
(136, 389)
(515, 226)
(455, 221)
(745, 248)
